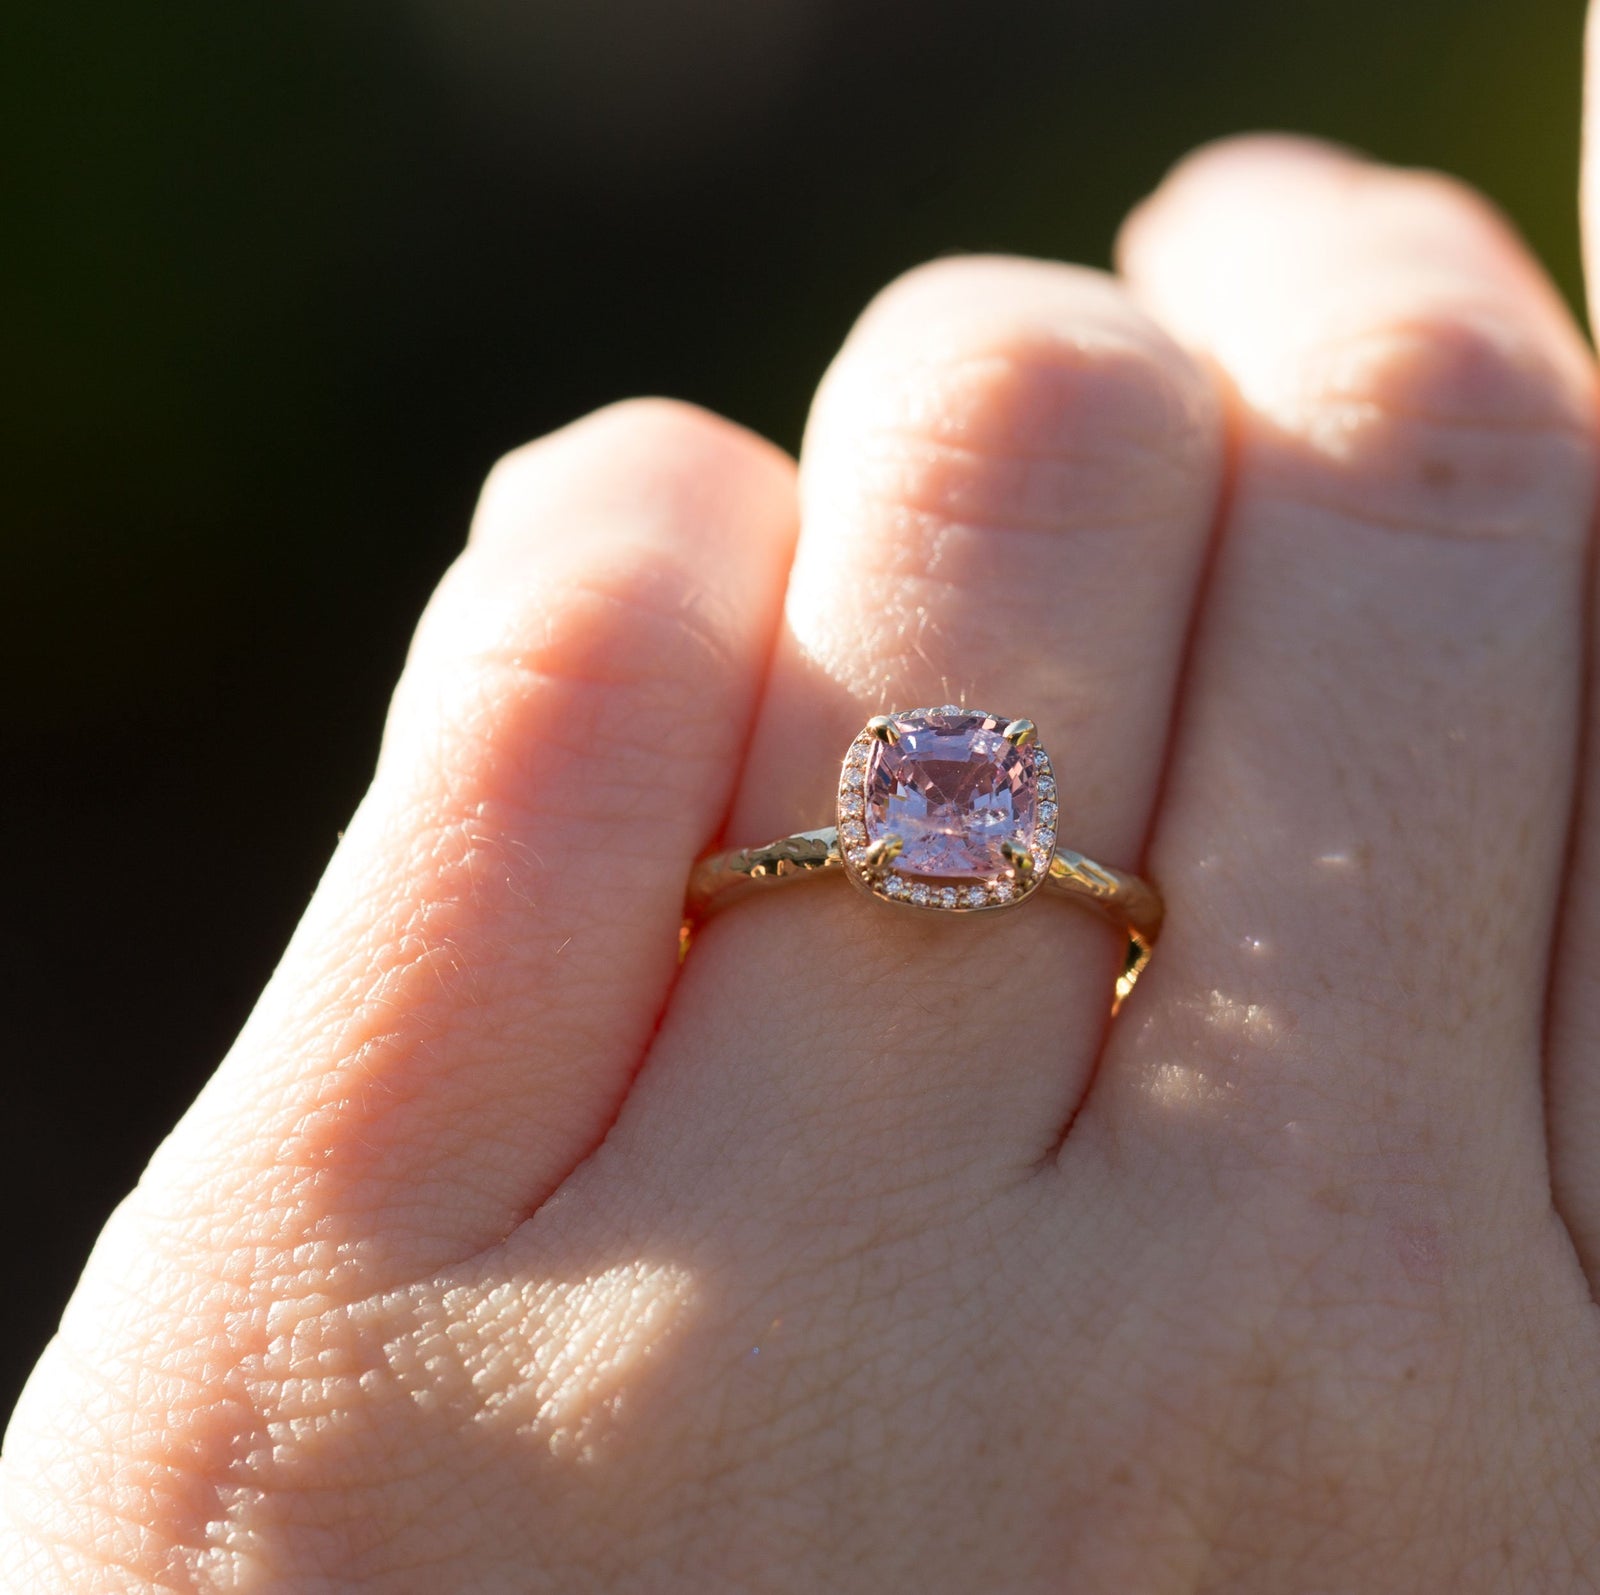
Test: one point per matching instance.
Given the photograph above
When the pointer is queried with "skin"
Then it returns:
(864, 1254)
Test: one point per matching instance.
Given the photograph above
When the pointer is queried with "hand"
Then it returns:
(861, 1254)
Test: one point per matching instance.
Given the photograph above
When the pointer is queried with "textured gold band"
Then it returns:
(1125, 899)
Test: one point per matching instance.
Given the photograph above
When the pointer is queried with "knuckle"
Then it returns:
(531, 675)
(1465, 366)
(1035, 436)
(1450, 418)
(1060, 409)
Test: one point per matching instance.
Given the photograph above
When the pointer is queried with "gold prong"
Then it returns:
(883, 728)
(882, 853)
(1020, 732)
(1019, 858)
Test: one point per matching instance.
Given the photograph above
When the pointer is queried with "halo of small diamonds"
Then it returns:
(972, 801)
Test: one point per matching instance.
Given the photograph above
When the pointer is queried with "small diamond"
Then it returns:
(975, 897)
(1047, 814)
(894, 886)
(858, 753)
(1002, 891)
(852, 806)
(948, 897)
(919, 893)
(1047, 787)
(853, 777)
(854, 834)
(857, 856)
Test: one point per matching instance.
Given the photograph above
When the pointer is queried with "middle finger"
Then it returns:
(1368, 799)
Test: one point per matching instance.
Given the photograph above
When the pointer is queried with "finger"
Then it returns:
(481, 970)
(1361, 844)
(1573, 1070)
(1007, 482)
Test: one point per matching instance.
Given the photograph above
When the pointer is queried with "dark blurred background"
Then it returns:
(281, 278)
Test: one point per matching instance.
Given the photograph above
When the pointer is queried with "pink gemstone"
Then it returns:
(953, 789)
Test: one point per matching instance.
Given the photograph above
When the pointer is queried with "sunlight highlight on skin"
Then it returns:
(555, 1362)
(269, 1444)
(1250, 1022)
(1181, 1085)
(1226, 1030)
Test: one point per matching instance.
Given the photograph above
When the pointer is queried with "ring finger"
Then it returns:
(1007, 485)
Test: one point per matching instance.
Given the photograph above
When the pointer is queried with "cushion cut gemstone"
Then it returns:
(953, 790)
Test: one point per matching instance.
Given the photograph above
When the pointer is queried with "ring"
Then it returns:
(949, 811)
